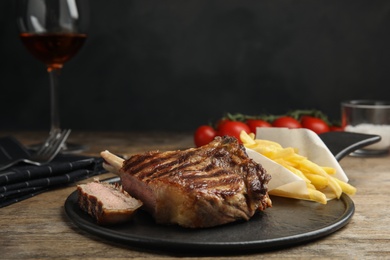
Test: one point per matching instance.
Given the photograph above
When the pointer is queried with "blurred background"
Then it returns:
(174, 65)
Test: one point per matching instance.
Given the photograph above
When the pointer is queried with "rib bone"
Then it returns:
(112, 162)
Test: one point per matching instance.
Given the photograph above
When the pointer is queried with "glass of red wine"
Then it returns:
(53, 31)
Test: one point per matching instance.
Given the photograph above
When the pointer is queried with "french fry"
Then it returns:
(248, 139)
(265, 147)
(318, 196)
(316, 169)
(320, 183)
(329, 170)
(346, 187)
(293, 169)
(313, 195)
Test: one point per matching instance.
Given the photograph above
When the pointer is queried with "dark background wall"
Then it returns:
(173, 65)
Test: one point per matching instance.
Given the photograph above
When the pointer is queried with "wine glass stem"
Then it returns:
(54, 106)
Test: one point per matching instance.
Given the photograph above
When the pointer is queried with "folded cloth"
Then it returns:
(24, 181)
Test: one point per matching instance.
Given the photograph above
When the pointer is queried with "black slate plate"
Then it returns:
(289, 222)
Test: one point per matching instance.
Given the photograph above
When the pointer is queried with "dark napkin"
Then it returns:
(23, 181)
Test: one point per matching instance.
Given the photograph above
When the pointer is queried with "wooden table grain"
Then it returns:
(38, 228)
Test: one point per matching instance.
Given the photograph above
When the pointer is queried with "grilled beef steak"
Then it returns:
(199, 187)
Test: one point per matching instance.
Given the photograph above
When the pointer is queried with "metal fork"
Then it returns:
(46, 153)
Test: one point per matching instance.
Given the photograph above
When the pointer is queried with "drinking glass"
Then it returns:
(53, 31)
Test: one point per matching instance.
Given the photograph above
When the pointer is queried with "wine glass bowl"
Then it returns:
(53, 31)
(53, 49)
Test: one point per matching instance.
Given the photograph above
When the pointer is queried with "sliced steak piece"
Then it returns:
(199, 187)
(106, 203)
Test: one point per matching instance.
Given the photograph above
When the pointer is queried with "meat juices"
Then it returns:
(199, 187)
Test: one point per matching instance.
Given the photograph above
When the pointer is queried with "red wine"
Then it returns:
(54, 49)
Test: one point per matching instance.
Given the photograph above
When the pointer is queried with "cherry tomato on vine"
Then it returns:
(254, 123)
(315, 124)
(203, 135)
(233, 128)
(286, 121)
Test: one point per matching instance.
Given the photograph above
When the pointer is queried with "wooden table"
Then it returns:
(38, 228)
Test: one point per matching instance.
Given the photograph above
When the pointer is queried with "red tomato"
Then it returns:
(254, 123)
(233, 128)
(286, 121)
(335, 128)
(220, 123)
(315, 124)
(203, 135)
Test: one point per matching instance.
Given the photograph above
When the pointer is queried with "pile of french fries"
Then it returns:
(320, 181)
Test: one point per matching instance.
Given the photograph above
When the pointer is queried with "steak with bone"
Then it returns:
(199, 187)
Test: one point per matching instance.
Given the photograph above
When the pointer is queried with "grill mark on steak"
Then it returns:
(163, 166)
(157, 166)
(220, 182)
(198, 187)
